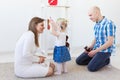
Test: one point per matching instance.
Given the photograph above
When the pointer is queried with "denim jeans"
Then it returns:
(96, 62)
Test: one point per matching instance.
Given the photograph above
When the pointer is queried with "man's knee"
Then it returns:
(79, 61)
(83, 59)
(91, 68)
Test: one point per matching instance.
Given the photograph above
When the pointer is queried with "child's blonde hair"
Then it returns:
(62, 22)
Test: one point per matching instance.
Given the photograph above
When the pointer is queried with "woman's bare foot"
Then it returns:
(52, 66)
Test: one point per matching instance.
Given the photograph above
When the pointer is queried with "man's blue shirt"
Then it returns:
(103, 29)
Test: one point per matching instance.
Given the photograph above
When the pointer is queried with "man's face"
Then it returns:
(93, 15)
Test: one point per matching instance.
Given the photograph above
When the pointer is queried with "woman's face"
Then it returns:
(40, 27)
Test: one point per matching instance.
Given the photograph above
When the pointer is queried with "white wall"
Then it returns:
(82, 27)
(14, 18)
(15, 15)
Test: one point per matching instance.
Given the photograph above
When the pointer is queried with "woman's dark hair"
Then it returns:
(32, 27)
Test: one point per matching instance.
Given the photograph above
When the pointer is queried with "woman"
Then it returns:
(27, 63)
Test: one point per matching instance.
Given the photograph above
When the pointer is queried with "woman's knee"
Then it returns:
(50, 72)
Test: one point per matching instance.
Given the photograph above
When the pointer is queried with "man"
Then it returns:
(103, 44)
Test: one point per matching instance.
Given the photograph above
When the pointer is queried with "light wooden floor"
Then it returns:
(115, 58)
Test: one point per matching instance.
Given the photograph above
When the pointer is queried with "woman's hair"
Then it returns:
(62, 23)
(32, 27)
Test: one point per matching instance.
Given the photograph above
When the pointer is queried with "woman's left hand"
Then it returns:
(42, 59)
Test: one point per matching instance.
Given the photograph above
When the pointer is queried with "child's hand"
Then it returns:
(50, 23)
(53, 24)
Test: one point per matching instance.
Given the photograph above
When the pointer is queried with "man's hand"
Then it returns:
(87, 49)
(92, 53)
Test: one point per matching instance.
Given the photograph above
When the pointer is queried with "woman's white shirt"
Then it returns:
(25, 49)
(25, 57)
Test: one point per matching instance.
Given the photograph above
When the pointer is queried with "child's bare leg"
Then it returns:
(64, 67)
(58, 68)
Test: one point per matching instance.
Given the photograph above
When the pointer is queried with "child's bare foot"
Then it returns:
(64, 71)
(57, 73)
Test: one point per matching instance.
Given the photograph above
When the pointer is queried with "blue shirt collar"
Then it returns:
(102, 22)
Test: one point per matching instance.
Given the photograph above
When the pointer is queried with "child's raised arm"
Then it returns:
(54, 27)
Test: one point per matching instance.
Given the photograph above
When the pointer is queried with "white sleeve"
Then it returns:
(28, 49)
(41, 52)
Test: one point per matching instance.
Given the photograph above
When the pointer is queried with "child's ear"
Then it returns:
(61, 27)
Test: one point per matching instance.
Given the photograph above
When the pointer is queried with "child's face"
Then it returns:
(64, 24)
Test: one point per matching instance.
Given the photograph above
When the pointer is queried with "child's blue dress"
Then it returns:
(61, 53)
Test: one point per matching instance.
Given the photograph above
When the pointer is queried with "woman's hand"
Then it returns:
(42, 59)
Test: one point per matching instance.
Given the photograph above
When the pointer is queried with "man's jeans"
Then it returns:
(96, 62)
